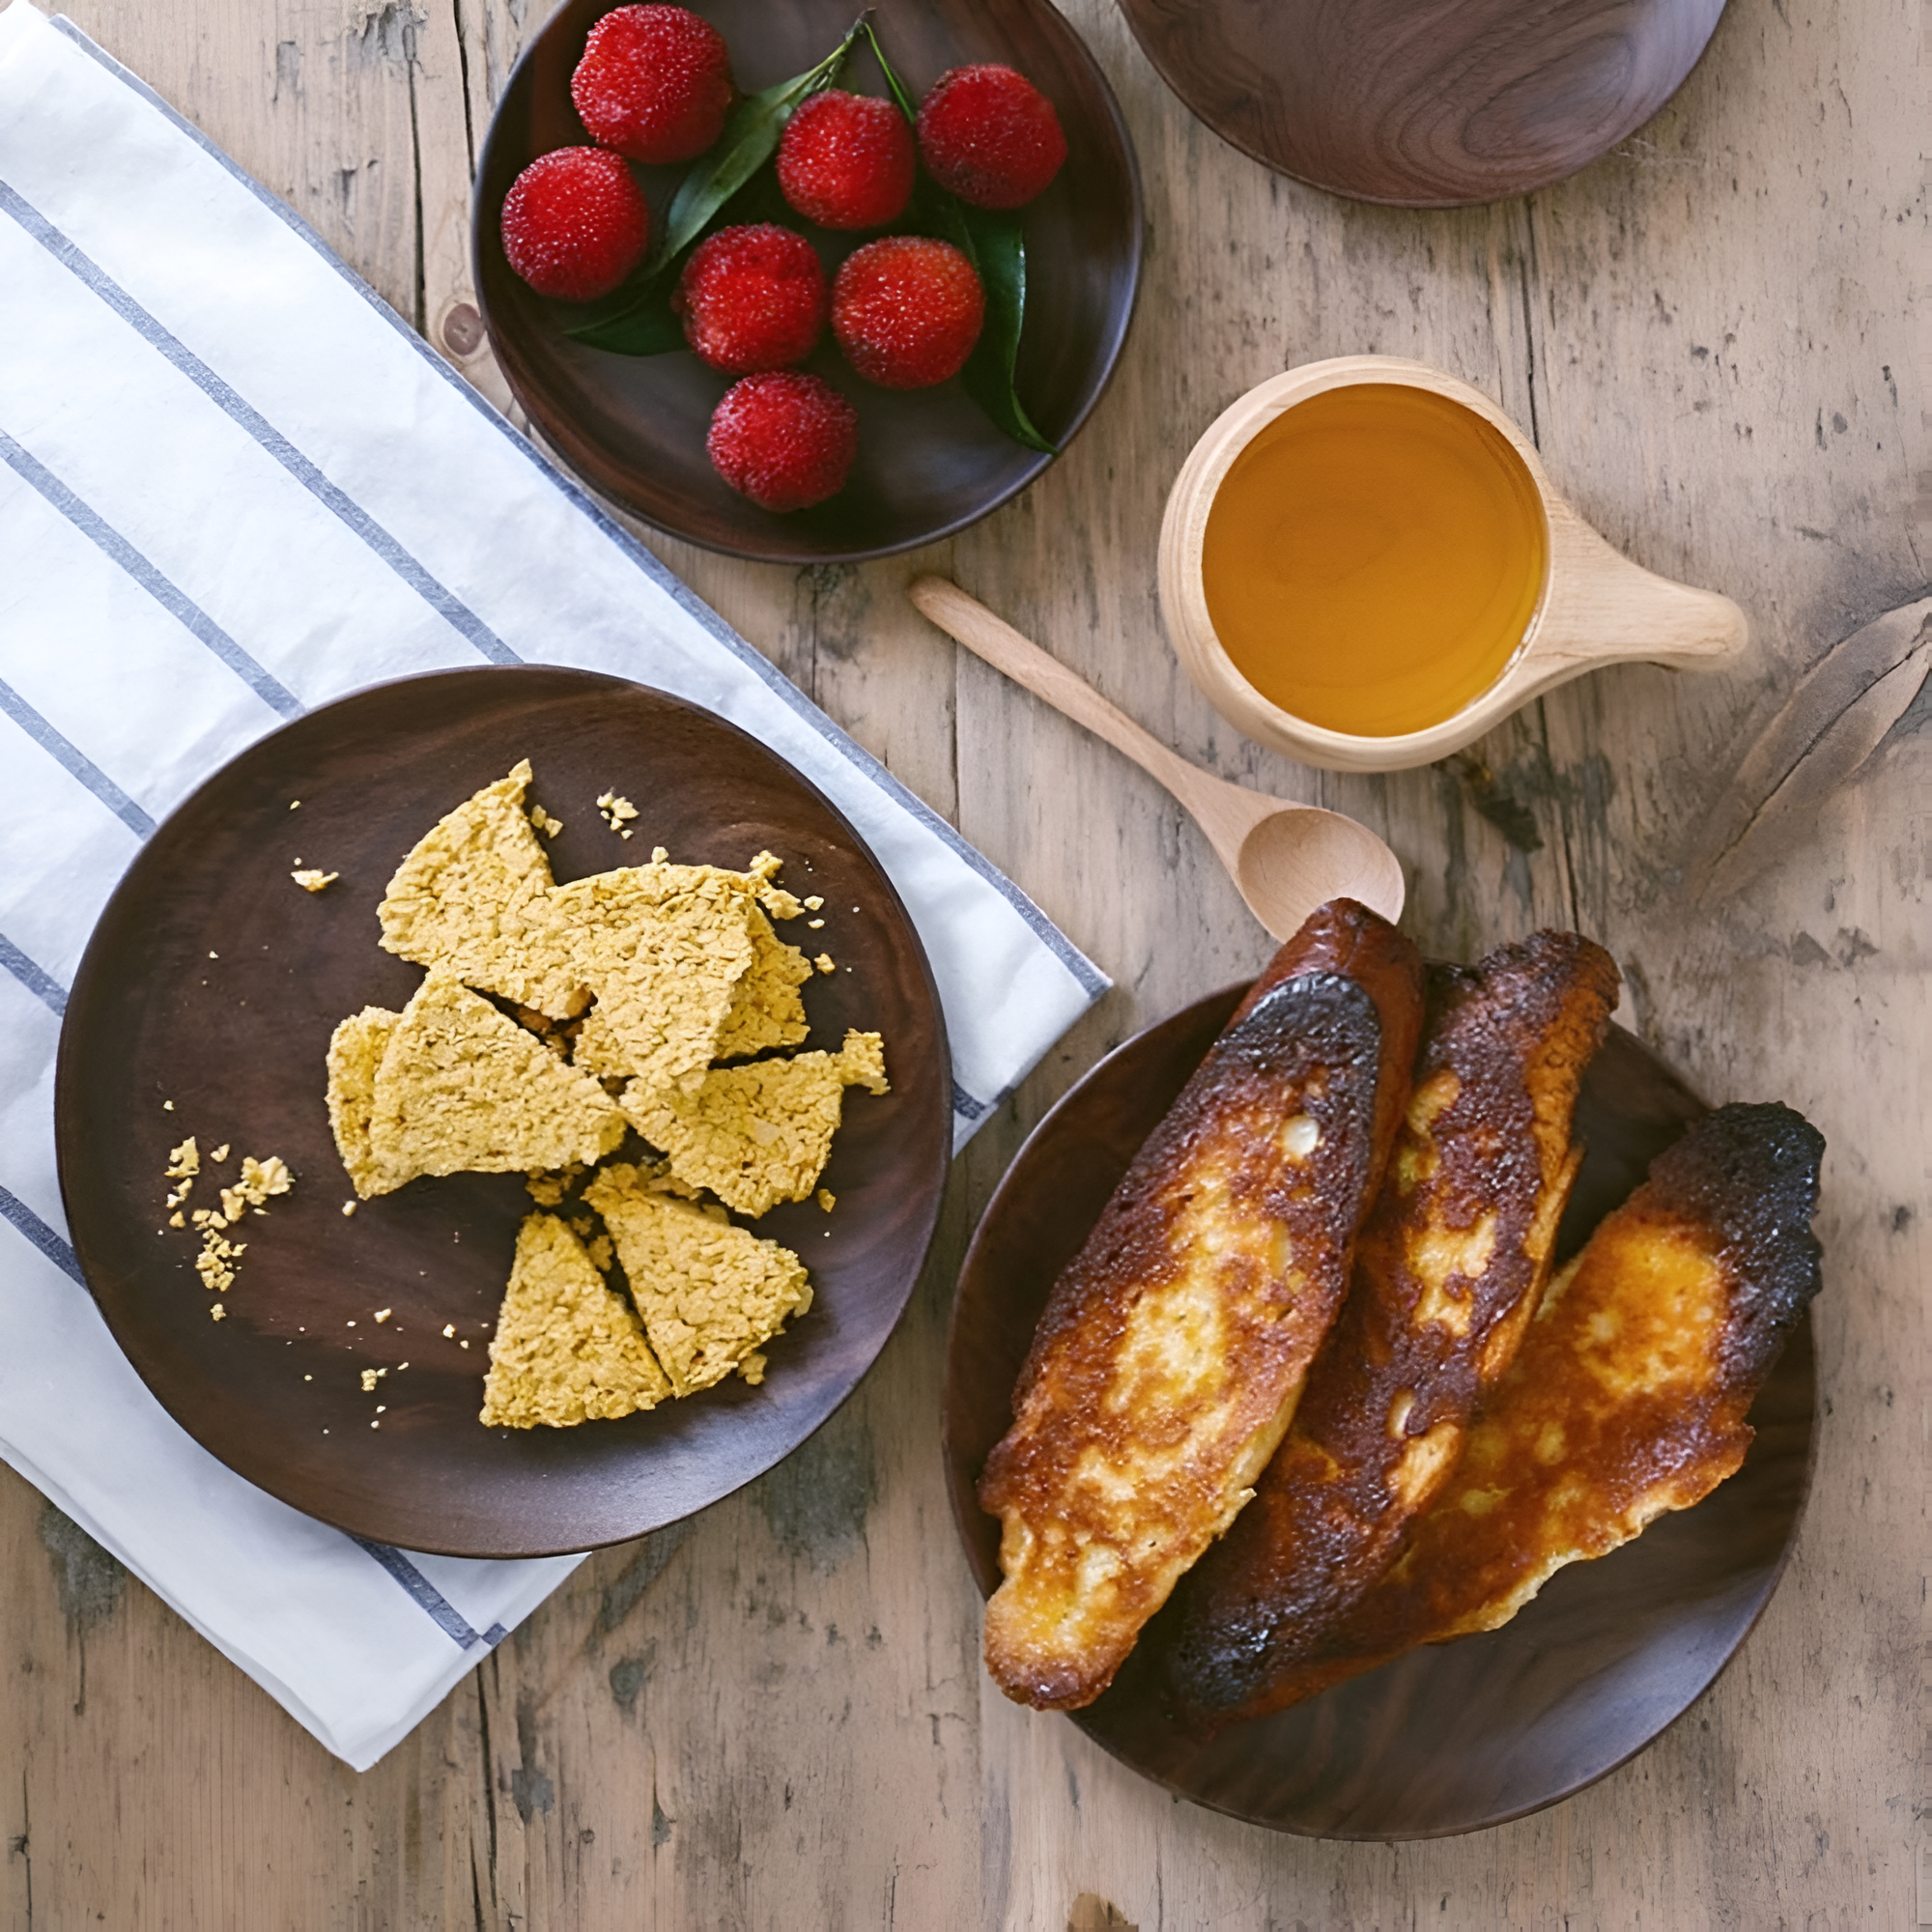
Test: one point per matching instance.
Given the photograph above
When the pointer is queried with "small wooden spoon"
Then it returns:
(1284, 859)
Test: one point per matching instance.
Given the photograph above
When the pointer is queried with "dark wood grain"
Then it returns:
(1447, 1739)
(929, 461)
(213, 980)
(1424, 104)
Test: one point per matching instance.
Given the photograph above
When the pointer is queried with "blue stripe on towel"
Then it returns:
(1088, 977)
(448, 1618)
(273, 694)
(43, 986)
(445, 603)
(73, 758)
(12, 1208)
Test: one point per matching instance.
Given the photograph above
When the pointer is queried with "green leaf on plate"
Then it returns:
(992, 242)
(750, 138)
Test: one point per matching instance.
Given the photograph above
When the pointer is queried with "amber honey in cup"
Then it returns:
(1372, 558)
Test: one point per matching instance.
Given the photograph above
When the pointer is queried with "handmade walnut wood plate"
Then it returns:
(1447, 1739)
(929, 461)
(214, 982)
(1424, 104)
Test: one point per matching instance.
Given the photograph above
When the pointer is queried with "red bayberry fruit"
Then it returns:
(847, 160)
(575, 223)
(751, 298)
(783, 439)
(907, 311)
(990, 136)
(654, 83)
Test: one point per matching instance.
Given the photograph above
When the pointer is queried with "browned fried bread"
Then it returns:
(1446, 1275)
(1628, 1398)
(1174, 1345)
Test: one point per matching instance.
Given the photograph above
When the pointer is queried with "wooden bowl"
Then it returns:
(929, 461)
(213, 980)
(1451, 1738)
(1424, 104)
(1595, 607)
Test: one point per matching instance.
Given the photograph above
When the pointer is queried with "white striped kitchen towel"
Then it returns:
(232, 486)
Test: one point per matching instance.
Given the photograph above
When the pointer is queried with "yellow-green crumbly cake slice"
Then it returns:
(710, 1294)
(460, 1089)
(568, 1349)
(354, 1052)
(760, 1134)
(662, 948)
(472, 899)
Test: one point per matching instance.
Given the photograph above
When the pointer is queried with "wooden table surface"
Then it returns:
(775, 1716)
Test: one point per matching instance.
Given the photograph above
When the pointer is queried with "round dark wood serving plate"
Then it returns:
(929, 461)
(1451, 1738)
(1424, 104)
(214, 982)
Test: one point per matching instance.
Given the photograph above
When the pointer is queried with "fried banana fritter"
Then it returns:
(1628, 1396)
(1449, 1268)
(1173, 1346)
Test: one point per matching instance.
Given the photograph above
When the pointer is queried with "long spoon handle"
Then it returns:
(969, 622)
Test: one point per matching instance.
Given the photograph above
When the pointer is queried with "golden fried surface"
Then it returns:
(567, 1348)
(1172, 1349)
(711, 1294)
(472, 899)
(759, 1134)
(1450, 1268)
(460, 1089)
(1628, 1398)
(766, 1010)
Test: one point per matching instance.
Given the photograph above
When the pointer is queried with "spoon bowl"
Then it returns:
(1284, 859)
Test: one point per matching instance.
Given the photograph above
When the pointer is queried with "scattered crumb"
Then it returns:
(308, 1379)
(814, 902)
(294, 805)
(463, 1345)
(310, 880)
(370, 1377)
(550, 827)
(167, 1106)
(824, 963)
(814, 923)
(826, 1199)
(183, 1161)
(383, 1314)
(217, 1313)
(347, 1208)
(175, 1220)
(219, 1155)
(615, 811)
(382, 1408)
(215, 955)
(449, 1328)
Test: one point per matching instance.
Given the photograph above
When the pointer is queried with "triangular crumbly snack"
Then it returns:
(760, 1134)
(766, 1010)
(662, 948)
(460, 1089)
(568, 1349)
(354, 1052)
(472, 899)
(710, 1294)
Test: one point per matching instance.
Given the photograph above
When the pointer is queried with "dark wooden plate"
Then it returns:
(213, 980)
(1424, 104)
(930, 462)
(1448, 1738)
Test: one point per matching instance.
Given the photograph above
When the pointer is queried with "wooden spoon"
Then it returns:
(1284, 859)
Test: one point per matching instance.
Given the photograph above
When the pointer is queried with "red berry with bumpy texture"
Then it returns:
(751, 298)
(907, 311)
(575, 223)
(783, 439)
(847, 160)
(654, 83)
(990, 136)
